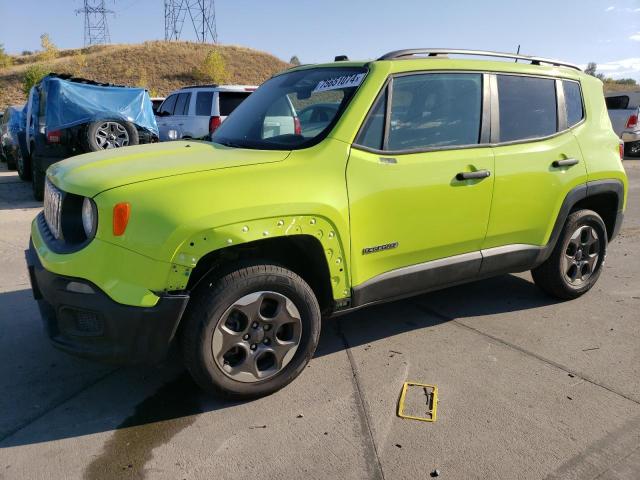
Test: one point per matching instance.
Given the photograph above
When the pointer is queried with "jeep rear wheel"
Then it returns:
(250, 332)
(576, 261)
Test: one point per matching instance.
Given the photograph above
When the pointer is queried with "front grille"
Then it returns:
(53, 208)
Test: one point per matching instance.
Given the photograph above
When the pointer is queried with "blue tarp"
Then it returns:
(16, 119)
(72, 103)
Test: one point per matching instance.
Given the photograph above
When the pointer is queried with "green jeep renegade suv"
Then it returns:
(330, 188)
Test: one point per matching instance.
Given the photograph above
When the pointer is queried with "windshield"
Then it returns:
(291, 111)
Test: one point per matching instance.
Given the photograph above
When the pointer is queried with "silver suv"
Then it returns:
(624, 110)
(197, 111)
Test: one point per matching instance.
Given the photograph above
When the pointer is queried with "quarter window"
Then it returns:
(204, 101)
(372, 133)
(435, 110)
(528, 107)
(573, 102)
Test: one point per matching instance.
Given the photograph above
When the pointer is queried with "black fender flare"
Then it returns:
(577, 194)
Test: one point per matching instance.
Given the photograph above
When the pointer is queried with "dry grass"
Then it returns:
(158, 66)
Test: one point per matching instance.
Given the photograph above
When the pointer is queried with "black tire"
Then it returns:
(11, 161)
(38, 176)
(632, 149)
(552, 278)
(23, 164)
(217, 295)
(89, 135)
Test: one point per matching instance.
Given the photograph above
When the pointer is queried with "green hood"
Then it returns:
(96, 172)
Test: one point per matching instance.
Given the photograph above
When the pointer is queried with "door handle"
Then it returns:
(479, 174)
(567, 162)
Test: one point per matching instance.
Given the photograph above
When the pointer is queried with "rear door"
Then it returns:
(537, 158)
(420, 181)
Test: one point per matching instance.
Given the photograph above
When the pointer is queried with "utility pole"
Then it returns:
(96, 28)
(202, 14)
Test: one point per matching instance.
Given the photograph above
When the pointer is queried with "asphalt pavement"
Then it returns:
(529, 388)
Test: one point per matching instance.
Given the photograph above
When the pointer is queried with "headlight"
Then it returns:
(89, 218)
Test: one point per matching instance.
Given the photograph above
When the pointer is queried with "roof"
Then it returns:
(231, 88)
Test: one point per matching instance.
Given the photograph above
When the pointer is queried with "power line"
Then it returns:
(202, 16)
(96, 28)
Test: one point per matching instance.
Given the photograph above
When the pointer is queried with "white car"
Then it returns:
(197, 111)
(624, 109)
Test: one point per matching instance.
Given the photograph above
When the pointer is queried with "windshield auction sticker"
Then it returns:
(345, 81)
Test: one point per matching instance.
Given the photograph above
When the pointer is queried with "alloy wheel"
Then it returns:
(257, 336)
(111, 135)
(580, 258)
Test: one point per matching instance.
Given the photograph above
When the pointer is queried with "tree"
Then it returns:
(294, 60)
(78, 63)
(5, 60)
(214, 68)
(32, 75)
(49, 49)
(591, 69)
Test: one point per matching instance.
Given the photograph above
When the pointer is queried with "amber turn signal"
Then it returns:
(121, 212)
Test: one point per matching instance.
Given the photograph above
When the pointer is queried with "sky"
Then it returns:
(579, 31)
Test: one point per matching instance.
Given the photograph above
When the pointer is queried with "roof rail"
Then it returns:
(433, 52)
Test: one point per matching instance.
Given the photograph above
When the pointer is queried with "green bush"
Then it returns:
(32, 75)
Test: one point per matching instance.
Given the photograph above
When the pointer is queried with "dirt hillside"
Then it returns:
(158, 66)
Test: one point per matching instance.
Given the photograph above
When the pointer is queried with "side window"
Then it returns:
(435, 110)
(573, 102)
(182, 104)
(618, 102)
(168, 105)
(372, 133)
(527, 107)
(204, 101)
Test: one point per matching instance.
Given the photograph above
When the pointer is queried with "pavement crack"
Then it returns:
(61, 402)
(362, 411)
(524, 351)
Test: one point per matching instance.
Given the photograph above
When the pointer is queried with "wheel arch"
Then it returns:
(605, 197)
(309, 246)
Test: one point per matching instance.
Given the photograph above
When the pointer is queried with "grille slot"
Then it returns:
(53, 208)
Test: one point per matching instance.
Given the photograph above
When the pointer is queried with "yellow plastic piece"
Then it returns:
(434, 402)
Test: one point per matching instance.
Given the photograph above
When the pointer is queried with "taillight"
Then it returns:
(297, 127)
(214, 123)
(54, 136)
(632, 121)
(621, 150)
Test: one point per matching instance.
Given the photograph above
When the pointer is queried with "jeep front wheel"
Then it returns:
(576, 261)
(250, 332)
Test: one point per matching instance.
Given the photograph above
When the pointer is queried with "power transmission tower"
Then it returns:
(202, 14)
(96, 28)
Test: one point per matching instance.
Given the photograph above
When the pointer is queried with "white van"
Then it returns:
(197, 111)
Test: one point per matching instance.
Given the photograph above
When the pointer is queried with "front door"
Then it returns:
(420, 186)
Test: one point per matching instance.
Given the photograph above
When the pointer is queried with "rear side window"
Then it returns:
(435, 110)
(573, 102)
(229, 101)
(527, 107)
(619, 102)
(182, 104)
(168, 105)
(204, 101)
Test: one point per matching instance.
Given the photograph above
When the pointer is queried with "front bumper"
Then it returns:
(81, 319)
